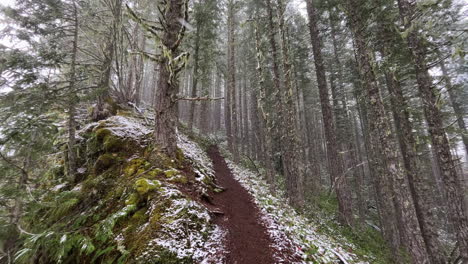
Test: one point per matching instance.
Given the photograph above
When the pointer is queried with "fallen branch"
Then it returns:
(253, 163)
(206, 98)
(339, 256)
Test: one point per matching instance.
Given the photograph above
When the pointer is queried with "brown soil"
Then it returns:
(247, 239)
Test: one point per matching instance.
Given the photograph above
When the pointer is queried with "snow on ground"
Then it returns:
(184, 227)
(284, 224)
(127, 127)
(201, 163)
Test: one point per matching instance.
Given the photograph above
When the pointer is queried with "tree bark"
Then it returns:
(165, 132)
(278, 117)
(72, 102)
(232, 80)
(106, 105)
(193, 91)
(429, 95)
(335, 165)
(457, 106)
(264, 116)
(391, 185)
(291, 161)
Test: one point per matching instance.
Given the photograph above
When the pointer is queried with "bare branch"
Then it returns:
(206, 98)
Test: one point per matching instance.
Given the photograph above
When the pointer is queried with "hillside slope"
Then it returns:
(132, 204)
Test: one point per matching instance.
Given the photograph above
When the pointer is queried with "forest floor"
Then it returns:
(247, 238)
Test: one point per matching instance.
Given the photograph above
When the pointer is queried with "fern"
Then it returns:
(23, 255)
(57, 246)
(104, 231)
(63, 203)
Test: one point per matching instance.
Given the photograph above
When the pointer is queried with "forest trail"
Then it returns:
(247, 239)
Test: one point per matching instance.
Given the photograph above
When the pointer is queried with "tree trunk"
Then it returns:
(232, 80)
(391, 182)
(193, 91)
(457, 106)
(165, 106)
(278, 117)
(335, 165)
(263, 116)
(291, 161)
(106, 105)
(72, 103)
(429, 95)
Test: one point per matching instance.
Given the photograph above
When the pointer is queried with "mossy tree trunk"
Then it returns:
(72, 100)
(165, 131)
(106, 106)
(391, 184)
(335, 163)
(193, 89)
(277, 117)
(231, 80)
(264, 117)
(456, 105)
(291, 160)
(430, 98)
(407, 140)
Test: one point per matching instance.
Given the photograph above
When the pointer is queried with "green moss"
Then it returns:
(132, 167)
(143, 186)
(108, 141)
(114, 194)
(121, 112)
(154, 173)
(139, 217)
(171, 173)
(104, 162)
(102, 133)
(134, 198)
(179, 179)
(113, 144)
(180, 155)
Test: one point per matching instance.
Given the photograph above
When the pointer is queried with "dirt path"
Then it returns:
(247, 240)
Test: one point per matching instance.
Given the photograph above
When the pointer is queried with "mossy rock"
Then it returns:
(109, 141)
(144, 186)
(114, 144)
(102, 133)
(104, 162)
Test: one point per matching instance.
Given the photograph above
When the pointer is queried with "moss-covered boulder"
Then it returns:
(104, 162)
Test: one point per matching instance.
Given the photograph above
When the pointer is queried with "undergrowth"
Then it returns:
(369, 242)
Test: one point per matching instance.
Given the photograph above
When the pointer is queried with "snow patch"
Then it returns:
(126, 127)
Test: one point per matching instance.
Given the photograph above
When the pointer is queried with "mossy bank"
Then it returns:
(129, 203)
